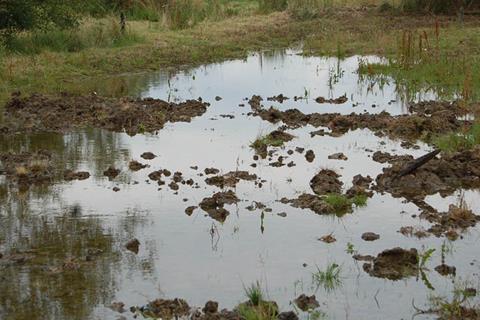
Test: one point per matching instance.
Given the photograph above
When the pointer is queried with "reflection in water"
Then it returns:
(64, 243)
(67, 261)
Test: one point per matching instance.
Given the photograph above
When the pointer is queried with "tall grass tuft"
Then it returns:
(254, 293)
(266, 6)
(101, 34)
(329, 278)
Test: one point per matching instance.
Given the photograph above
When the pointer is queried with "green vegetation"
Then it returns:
(104, 33)
(342, 204)
(256, 308)
(329, 278)
(457, 307)
(424, 258)
(459, 141)
(254, 293)
(436, 59)
(167, 33)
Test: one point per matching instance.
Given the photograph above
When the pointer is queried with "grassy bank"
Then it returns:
(149, 46)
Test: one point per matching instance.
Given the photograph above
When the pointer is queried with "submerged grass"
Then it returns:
(329, 278)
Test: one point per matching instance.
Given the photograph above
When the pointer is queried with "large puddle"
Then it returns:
(198, 258)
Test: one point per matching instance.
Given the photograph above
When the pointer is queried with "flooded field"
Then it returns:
(209, 234)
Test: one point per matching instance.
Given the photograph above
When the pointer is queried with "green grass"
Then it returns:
(459, 306)
(100, 34)
(329, 278)
(436, 59)
(254, 293)
(459, 141)
(256, 308)
(341, 204)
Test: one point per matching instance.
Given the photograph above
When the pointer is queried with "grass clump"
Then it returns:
(254, 293)
(104, 33)
(329, 278)
(459, 141)
(457, 307)
(256, 308)
(342, 204)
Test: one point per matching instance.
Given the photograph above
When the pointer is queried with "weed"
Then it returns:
(342, 204)
(328, 279)
(254, 293)
(425, 257)
(350, 248)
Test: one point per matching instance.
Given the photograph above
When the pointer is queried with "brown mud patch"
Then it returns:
(164, 309)
(443, 174)
(394, 264)
(66, 111)
(441, 118)
(70, 175)
(214, 205)
(230, 179)
(325, 182)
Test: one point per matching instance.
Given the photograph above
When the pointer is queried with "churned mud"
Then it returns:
(394, 264)
(65, 112)
(423, 123)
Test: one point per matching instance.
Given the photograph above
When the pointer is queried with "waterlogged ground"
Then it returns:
(72, 235)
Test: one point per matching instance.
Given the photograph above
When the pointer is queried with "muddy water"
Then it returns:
(196, 257)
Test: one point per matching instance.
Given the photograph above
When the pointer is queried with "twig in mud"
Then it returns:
(417, 163)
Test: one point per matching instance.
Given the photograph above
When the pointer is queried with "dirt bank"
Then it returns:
(66, 111)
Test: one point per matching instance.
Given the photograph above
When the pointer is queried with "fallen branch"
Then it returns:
(417, 163)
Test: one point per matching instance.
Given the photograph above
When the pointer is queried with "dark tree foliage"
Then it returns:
(19, 15)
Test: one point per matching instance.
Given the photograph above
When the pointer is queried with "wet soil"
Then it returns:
(421, 124)
(325, 182)
(443, 175)
(230, 179)
(214, 205)
(394, 264)
(65, 112)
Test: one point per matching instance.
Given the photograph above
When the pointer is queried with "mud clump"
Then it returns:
(447, 223)
(280, 98)
(70, 175)
(325, 182)
(440, 175)
(209, 171)
(394, 264)
(133, 245)
(312, 202)
(111, 172)
(230, 179)
(165, 309)
(306, 303)
(338, 156)
(445, 270)
(189, 210)
(214, 205)
(148, 156)
(27, 168)
(136, 166)
(310, 156)
(66, 111)
(339, 100)
(360, 186)
(370, 236)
